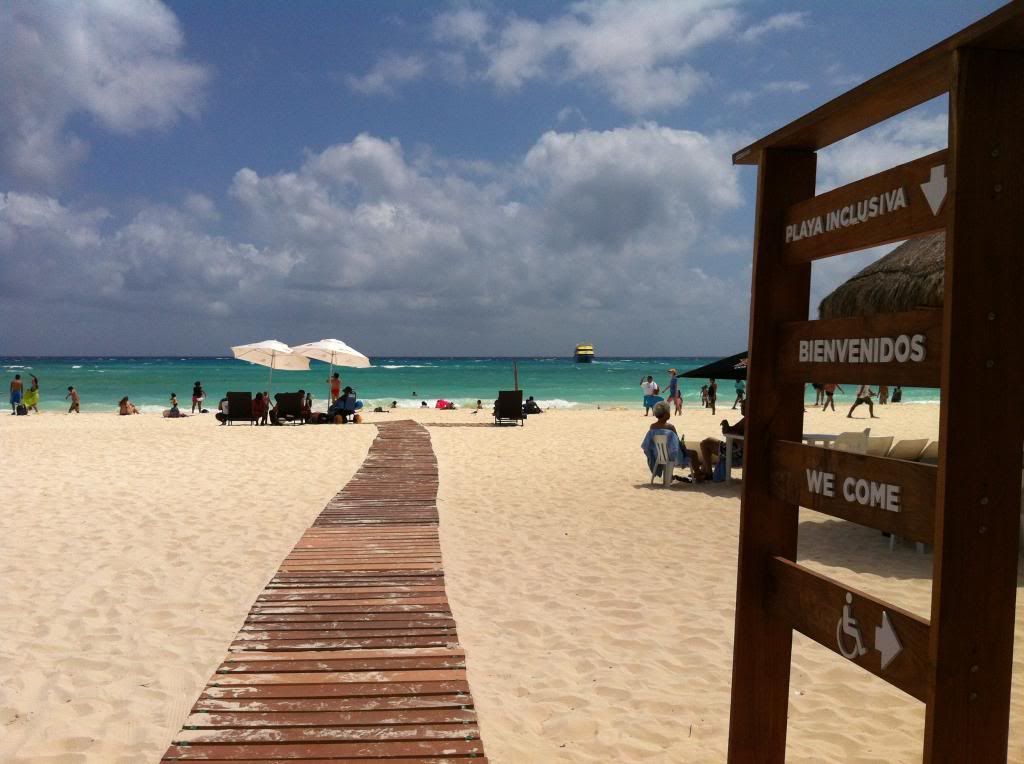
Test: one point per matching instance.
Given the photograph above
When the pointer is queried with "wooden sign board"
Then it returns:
(891, 495)
(892, 349)
(887, 641)
(900, 203)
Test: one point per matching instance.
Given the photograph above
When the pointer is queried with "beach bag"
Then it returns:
(22, 410)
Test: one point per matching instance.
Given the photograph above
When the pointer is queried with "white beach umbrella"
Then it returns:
(273, 354)
(334, 352)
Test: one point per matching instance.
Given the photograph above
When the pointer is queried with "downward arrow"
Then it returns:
(886, 641)
(935, 189)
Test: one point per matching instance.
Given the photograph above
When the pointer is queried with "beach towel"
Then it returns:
(675, 454)
(650, 400)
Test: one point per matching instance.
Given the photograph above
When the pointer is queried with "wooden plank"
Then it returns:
(793, 481)
(309, 705)
(338, 677)
(975, 563)
(768, 526)
(816, 606)
(325, 733)
(887, 207)
(860, 342)
(289, 751)
(350, 654)
(916, 80)
(207, 720)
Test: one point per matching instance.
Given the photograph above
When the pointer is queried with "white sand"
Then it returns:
(597, 612)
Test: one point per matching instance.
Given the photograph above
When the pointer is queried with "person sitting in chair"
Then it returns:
(345, 406)
(711, 446)
(663, 412)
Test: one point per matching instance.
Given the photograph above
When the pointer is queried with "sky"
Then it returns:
(463, 178)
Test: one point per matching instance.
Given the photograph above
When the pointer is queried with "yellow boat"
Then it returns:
(584, 354)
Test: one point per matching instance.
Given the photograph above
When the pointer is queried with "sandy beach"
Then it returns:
(596, 610)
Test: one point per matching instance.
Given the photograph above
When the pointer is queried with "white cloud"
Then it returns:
(585, 228)
(893, 142)
(634, 51)
(780, 22)
(886, 145)
(387, 74)
(118, 63)
(465, 25)
(786, 86)
(746, 97)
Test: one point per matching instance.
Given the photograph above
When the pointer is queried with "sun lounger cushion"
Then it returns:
(930, 454)
(879, 446)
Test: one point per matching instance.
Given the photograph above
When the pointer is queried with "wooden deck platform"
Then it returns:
(350, 653)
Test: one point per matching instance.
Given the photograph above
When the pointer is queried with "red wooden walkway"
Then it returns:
(350, 653)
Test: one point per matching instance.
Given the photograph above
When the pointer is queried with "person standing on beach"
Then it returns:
(819, 393)
(741, 392)
(712, 394)
(830, 390)
(76, 404)
(650, 389)
(32, 395)
(16, 391)
(198, 395)
(883, 395)
(897, 394)
(335, 382)
(864, 393)
(675, 397)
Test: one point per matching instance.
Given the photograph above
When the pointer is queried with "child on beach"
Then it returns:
(173, 412)
(335, 383)
(260, 409)
(126, 407)
(75, 402)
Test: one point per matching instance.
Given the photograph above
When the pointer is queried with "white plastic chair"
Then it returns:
(662, 460)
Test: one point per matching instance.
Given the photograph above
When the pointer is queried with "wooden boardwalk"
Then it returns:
(350, 653)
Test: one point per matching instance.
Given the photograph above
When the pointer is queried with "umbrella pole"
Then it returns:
(515, 374)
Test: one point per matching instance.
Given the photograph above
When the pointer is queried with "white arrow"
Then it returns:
(886, 641)
(935, 189)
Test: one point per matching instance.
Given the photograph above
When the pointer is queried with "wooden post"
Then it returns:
(768, 526)
(979, 481)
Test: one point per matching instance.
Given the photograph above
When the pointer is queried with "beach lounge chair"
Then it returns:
(908, 450)
(508, 409)
(852, 442)
(930, 455)
(240, 408)
(289, 408)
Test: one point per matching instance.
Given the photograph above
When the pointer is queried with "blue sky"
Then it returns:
(416, 178)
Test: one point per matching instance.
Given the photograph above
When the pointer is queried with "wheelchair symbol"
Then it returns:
(848, 627)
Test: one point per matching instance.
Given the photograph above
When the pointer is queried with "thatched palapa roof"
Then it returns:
(911, 276)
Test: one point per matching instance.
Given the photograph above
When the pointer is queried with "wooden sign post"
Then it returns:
(957, 661)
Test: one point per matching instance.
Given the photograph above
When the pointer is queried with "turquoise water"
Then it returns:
(554, 382)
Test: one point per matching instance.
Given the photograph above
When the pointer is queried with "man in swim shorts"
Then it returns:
(75, 403)
(16, 391)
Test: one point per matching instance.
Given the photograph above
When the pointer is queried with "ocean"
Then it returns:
(554, 382)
